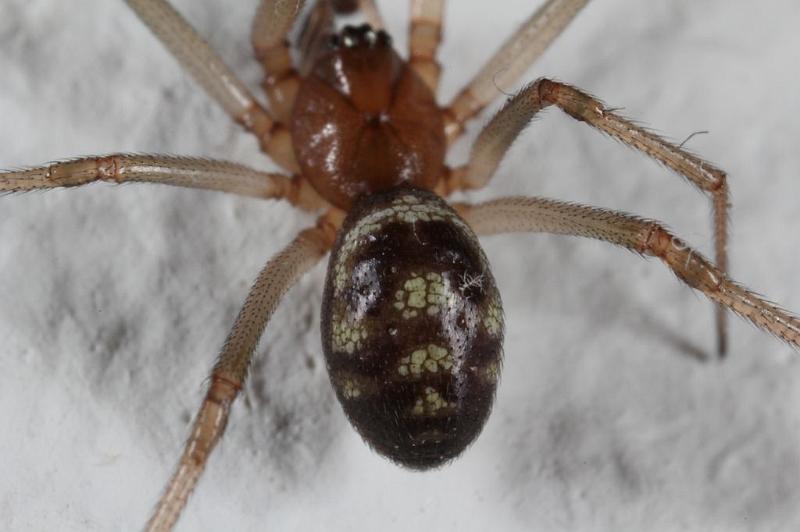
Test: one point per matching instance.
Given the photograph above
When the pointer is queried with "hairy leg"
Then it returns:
(273, 21)
(214, 76)
(187, 172)
(506, 66)
(497, 137)
(230, 370)
(646, 237)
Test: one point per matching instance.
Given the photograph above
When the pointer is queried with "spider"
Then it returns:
(210, 340)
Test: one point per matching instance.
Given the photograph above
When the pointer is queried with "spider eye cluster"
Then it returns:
(359, 36)
(412, 327)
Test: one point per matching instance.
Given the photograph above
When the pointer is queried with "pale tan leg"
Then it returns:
(642, 236)
(231, 367)
(424, 39)
(506, 66)
(273, 22)
(216, 78)
(498, 135)
(371, 14)
(187, 172)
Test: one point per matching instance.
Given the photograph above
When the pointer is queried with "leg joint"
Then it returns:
(720, 180)
(223, 390)
(108, 169)
(657, 241)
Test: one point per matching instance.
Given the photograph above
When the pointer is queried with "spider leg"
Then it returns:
(370, 11)
(506, 66)
(646, 237)
(498, 135)
(187, 172)
(273, 21)
(230, 370)
(215, 77)
(424, 39)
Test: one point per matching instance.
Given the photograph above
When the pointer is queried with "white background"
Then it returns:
(115, 300)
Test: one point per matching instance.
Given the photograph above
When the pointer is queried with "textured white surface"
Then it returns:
(114, 301)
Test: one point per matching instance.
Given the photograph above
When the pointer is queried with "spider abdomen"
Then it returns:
(412, 327)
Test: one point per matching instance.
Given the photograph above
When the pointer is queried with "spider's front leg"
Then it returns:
(367, 8)
(425, 36)
(513, 58)
(642, 236)
(272, 23)
(230, 370)
(215, 77)
(371, 13)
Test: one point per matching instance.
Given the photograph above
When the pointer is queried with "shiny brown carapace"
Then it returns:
(364, 121)
(412, 323)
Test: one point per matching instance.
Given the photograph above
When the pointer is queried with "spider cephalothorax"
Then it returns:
(364, 121)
